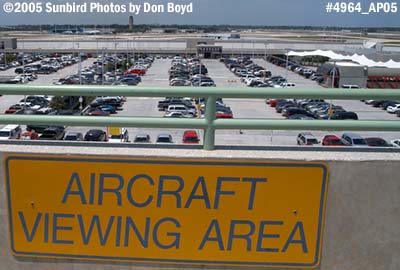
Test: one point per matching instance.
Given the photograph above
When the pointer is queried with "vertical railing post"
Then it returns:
(209, 132)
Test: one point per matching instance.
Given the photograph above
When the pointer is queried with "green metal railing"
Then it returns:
(209, 123)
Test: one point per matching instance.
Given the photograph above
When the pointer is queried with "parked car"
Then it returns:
(344, 116)
(38, 128)
(393, 108)
(306, 138)
(142, 138)
(73, 136)
(288, 112)
(106, 108)
(223, 114)
(377, 142)
(332, 140)
(52, 133)
(10, 132)
(178, 115)
(96, 135)
(164, 138)
(353, 139)
(97, 112)
(395, 143)
(190, 137)
(29, 135)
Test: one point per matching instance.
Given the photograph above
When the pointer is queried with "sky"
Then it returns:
(218, 12)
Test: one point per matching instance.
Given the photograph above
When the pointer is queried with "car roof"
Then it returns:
(352, 135)
(164, 135)
(73, 133)
(9, 127)
(190, 132)
(374, 139)
(331, 136)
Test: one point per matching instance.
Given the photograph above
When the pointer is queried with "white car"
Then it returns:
(178, 115)
(393, 109)
(28, 105)
(395, 143)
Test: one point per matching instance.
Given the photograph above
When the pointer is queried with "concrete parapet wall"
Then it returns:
(362, 215)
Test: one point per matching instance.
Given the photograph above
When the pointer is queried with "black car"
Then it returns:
(287, 112)
(142, 138)
(164, 138)
(40, 128)
(344, 116)
(284, 104)
(96, 135)
(53, 133)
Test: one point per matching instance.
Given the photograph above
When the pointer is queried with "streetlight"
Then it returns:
(102, 64)
(287, 62)
(333, 86)
(115, 58)
(79, 64)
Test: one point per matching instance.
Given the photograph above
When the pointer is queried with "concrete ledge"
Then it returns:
(362, 216)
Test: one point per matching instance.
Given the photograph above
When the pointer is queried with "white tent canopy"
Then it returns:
(361, 59)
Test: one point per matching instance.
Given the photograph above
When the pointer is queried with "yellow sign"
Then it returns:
(198, 212)
(116, 131)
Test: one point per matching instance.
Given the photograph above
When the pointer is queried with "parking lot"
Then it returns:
(157, 75)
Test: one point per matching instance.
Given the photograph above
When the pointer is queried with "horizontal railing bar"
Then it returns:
(337, 125)
(224, 92)
(157, 122)
(105, 121)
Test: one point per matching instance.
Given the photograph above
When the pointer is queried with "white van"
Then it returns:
(10, 132)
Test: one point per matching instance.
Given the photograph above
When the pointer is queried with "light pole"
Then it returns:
(333, 86)
(102, 65)
(79, 65)
(286, 66)
(115, 58)
(253, 48)
(265, 51)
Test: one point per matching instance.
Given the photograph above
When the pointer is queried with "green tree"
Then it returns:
(57, 103)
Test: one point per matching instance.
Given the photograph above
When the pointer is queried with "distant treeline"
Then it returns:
(119, 28)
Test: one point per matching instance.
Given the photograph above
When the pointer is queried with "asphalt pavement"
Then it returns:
(157, 75)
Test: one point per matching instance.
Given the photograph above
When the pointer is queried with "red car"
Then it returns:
(190, 137)
(10, 111)
(274, 102)
(223, 115)
(30, 135)
(136, 70)
(98, 113)
(332, 140)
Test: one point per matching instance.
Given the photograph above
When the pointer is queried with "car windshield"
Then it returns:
(70, 138)
(163, 139)
(313, 141)
(116, 136)
(4, 133)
